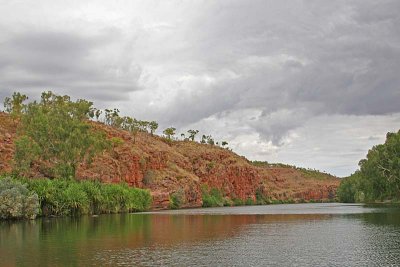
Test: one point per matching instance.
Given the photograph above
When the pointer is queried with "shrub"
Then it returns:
(249, 201)
(16, 201)
(176, 199)
(238, 202)
(261, 198)
(276, 201)
(212, 197)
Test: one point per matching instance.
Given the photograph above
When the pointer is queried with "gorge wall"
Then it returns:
(168, 167)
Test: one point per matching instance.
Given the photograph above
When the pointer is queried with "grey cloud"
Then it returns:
(341, 59)
(208, 63)
(66, 62)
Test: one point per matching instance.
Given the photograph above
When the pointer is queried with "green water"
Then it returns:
(276, 235)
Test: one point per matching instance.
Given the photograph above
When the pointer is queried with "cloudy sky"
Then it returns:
(311, 83)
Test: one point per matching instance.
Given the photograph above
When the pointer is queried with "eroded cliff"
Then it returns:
(184, 167)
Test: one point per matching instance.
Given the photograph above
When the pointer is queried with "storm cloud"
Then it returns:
(291, 81)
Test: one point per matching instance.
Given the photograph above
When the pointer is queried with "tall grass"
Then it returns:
(69, 197)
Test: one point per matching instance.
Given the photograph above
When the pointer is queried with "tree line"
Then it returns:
(54, 131)
(54, 137)
(378, 178)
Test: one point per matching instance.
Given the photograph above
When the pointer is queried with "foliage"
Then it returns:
(69, 197)
(55, 133)
(379, 176)
(117, 141)
(307, 172)
(169, 132)
(238, 202)
(348, 188)
(16, 201)
(212, 197)
(153, 125)
(176, 199)
(192, 134)
(261, 198)
(207, 139)
(249, 201)
(112, 117)
(14, 104)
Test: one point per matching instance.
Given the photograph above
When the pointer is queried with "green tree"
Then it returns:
(169, 132)
(153, 127)
(143, 125)
(379, 175)
(209, 140)
(55, 134)
(192, 134)
(14, 105)
(112, 117)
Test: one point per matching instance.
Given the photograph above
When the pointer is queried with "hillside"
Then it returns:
(183, 168)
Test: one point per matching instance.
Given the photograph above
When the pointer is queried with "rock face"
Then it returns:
(168, 167)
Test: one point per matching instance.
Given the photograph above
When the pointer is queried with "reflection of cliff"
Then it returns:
(76, 241)
(167, 167)
(211, 240)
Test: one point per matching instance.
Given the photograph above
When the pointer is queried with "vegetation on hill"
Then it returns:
(68, 141)
(378, 178)
(54, 134)
(310, 173)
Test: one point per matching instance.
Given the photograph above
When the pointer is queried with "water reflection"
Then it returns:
(202, 238)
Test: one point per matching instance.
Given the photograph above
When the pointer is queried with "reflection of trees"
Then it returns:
(389, 218)
(76, 241)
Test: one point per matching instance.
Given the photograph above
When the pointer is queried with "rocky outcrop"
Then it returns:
(182, 168)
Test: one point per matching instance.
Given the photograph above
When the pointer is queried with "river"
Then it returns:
(329, 234)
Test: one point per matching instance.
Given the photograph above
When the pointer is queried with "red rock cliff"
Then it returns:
(183, 166)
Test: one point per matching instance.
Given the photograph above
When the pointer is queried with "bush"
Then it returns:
(16, 201)
(212, 197)
(238, 202)
(261, 197)
(176, 199)
(249, 201)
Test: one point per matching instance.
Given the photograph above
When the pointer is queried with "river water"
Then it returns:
(276, 235)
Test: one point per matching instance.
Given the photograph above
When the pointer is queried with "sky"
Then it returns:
(310, 83)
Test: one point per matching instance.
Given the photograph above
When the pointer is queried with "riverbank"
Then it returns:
(22, 198)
